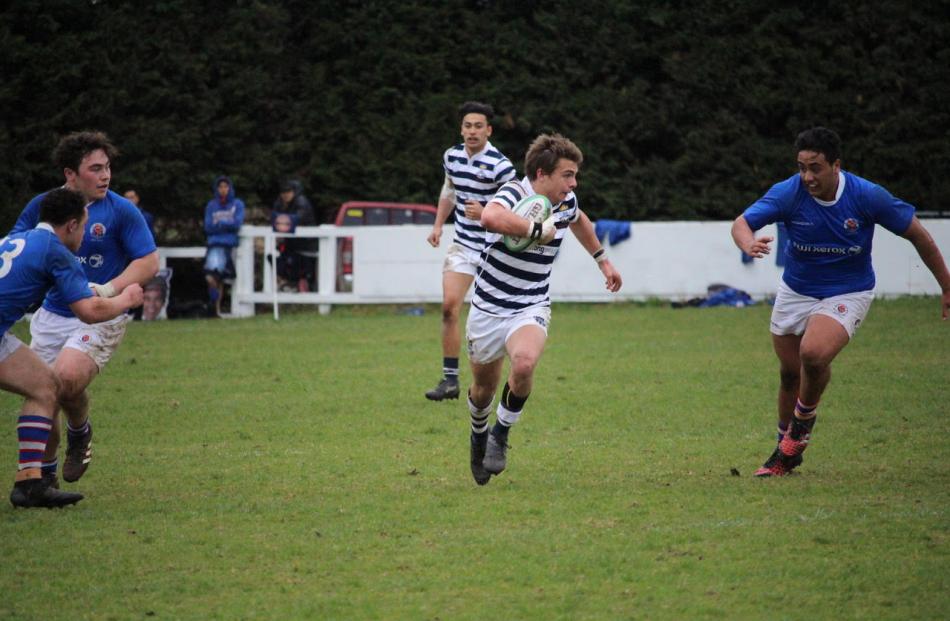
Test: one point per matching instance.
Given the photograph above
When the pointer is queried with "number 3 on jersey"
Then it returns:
(7, 256)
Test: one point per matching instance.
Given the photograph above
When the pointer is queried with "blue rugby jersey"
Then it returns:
(31, 262)
(474, 178)
(116, 234)
(828, 252)
(509, 282)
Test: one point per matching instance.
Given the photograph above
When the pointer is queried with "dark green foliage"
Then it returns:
(684, 110)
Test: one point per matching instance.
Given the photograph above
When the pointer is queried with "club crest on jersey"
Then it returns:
(97, 230)
(841, 309)
(851, 225)
(85, 338)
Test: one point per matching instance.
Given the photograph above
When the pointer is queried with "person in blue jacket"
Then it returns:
(117, 250)
(33, 262)
(224, 215)
(828, 283)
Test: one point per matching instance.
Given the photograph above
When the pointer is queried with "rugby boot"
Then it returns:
(37, 493)
(51, 479)
(796, 438)
(496, 455)
(777, 465)
(447, 389)
(478, 443)
(78, 455)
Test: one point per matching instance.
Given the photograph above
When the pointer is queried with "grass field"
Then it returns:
(259, 470)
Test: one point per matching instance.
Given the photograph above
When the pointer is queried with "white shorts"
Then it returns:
(51, 333)
(792, 310)
(462, 260)
(8, 345)
(488, 334)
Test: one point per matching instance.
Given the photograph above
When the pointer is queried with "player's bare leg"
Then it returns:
(485, 379)
(75, 371)
(786, 348)
(24, 373)
(524, 347)
(454, 287)
(824, 338)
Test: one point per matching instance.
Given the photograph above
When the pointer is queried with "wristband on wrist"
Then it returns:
(536, 231)
(600, 256)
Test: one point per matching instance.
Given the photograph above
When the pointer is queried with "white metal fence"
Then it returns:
(667, 260)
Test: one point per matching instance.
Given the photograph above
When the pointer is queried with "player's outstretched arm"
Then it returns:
(583, 230)
(745, 239)
(139, 271)
(97, 308)
(930, 254)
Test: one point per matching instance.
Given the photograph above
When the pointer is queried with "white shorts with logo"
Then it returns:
(792, 310)
(51, 333)
(488, 334)
(461, 260)
(8, 345)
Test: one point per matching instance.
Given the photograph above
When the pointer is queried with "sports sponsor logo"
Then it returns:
(541, 321)
(851, 225)
(802, 223)
(97, 230)
(836, 250)
(95, 260)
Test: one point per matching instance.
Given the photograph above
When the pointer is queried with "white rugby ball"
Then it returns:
(536, 208)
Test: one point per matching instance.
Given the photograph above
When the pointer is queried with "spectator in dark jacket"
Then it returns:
(296, 264)
(224, 215)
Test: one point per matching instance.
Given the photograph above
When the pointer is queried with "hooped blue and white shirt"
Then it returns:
(508, 283)
(474, 178)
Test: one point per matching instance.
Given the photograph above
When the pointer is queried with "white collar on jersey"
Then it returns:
(46, 226)
(473, 156)
(838, 193)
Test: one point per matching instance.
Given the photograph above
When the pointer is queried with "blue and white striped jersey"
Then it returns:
(474, 178)
(507, 282)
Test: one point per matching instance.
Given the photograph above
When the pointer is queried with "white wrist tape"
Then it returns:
(104, 291)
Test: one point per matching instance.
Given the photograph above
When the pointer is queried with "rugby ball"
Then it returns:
(536, 208)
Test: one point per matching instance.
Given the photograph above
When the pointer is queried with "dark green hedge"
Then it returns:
(685, 110)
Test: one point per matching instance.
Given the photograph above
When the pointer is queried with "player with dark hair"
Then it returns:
(117, 251)
(30, 263)
(474, 170)
(511, 307)
(828, 283)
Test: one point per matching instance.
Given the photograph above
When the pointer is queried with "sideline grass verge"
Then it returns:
(256, 470)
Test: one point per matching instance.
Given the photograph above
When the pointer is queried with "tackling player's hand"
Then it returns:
(759, 247)
(133, 295)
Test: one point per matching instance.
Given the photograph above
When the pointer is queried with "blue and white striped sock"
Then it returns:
(32, 435)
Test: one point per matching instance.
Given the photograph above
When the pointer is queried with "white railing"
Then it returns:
(666, 260)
